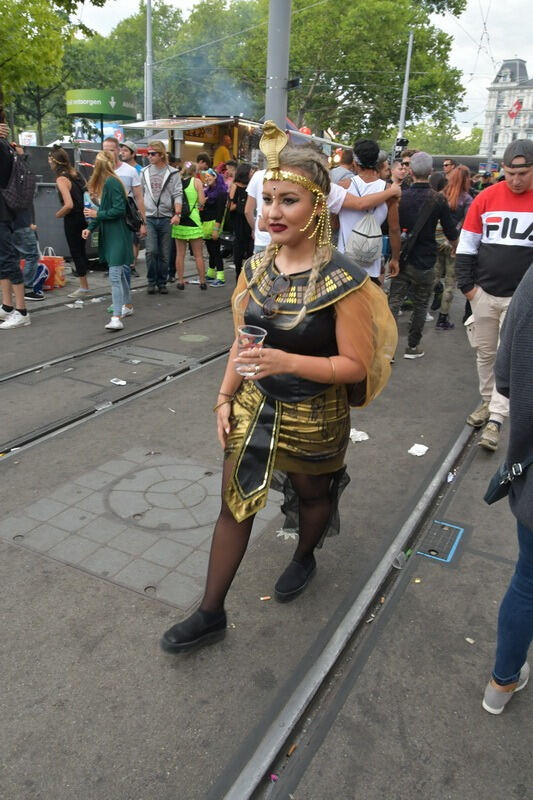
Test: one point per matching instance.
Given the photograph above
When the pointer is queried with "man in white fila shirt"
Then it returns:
(494, 252)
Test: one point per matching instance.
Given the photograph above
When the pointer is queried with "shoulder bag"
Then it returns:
(501, 481)
(412, 236)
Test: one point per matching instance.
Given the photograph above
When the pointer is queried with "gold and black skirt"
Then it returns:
(308, 437)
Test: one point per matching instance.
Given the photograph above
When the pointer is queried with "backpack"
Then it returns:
(185, 205)
(364, 242)
(20, 190)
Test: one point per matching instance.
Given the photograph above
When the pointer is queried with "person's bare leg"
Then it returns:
(198, 253)
(18, 291)
(7, 296)
(180, 259)
(83, 282)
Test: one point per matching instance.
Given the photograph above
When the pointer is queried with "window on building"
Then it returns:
(514, 137)
(496, 137)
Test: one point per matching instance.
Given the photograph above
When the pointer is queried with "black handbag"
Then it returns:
(501, 481)
(424, 214)
(133, 217)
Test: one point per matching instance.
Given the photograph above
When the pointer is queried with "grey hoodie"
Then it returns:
(171, 193)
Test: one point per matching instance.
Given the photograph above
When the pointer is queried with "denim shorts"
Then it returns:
(9, 257)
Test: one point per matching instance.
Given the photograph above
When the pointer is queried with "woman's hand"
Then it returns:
(265, 361)
(85, 233)
(90, 213)
(223, 424)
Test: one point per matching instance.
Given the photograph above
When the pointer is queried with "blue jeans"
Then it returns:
(120, 288)
(515, 620)
(25, 242)
(157, 249)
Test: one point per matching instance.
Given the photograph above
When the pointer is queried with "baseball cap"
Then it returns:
(486, 174)
(520, 147)
(130, 145)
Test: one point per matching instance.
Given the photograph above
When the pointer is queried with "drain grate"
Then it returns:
(441, 541)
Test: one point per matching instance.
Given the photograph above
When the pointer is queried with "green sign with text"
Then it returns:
(97, 103)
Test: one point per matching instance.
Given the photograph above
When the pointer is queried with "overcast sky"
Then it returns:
(476, 52)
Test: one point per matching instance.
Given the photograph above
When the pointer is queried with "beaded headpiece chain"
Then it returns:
(272, 143)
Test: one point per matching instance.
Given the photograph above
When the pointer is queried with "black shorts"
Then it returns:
(9, 258)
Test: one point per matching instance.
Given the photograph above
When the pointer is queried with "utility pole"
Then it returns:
(148, 65)
(279, 30)
(403, 108)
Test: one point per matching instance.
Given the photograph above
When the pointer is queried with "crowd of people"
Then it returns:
(406, 236)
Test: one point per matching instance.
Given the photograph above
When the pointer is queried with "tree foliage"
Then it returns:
(443, 139)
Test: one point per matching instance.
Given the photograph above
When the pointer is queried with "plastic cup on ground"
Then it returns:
(248, 337)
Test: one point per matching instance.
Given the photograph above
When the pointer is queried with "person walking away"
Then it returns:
(11, 278)
(459, 200)
(513, 370)
(161, 187)
(493, 255)
(114, 239)
(420, 207)
(327, 325)
(243, 243)
(71, 186)
(367, 182)
(190, 230)
(212, 214)
(127, 152)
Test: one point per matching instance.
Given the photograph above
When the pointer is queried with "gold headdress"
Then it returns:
(272, 143)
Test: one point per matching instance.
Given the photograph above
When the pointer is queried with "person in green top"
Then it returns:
(114, 236)
(190, 227)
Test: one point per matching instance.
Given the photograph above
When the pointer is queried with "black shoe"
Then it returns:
(437, 297)
(180, 286)
(294, 580)
(203, 287)
(33, 295)
(200, 628)
(134, 273)
(163, 290)
(444, 324)
(151, 289)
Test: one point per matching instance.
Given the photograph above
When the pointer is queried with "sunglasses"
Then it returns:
(152, 153)
(447, 164)
(405, 163)
(280, 285)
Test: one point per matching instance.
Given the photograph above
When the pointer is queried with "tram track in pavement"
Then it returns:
(55, 427)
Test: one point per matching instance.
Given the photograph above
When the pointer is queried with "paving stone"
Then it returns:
(270, 511)
(106, 561)
(169, 487)
(95, 479)
(44, 509)
(73, 549)
(180, 590)
(72, 519)
(126, 504)
(213, 483)
(70, 493)
(11, 526)
(116, 467)
(133, 541)
(190, 472)
(194, 537)
(137, 454)
(171, 502)
(193, 495)
(139, 574)
(102, 529)
(95, 503)
(167, 553)
(195, 565)
(44, 537)
(165, 520)
(139, 481)
(207, 513)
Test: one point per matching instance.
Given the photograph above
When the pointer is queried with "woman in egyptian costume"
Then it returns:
(330, 340)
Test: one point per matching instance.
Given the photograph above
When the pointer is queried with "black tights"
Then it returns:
(230, 538)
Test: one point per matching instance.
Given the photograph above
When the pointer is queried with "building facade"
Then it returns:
(509, 113)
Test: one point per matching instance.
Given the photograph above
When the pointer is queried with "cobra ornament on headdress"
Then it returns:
(271, 144)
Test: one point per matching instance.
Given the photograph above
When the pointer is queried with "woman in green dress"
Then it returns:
(190, 226)
(114, 237)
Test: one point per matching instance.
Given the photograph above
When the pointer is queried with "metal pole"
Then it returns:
(403, 108)
(279, 29)
(149, 65)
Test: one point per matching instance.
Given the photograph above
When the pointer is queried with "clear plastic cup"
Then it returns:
(248, 337)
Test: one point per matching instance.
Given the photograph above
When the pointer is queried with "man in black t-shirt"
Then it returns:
(418, 274)
(11, 279)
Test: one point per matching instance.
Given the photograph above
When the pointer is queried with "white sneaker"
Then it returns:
(127, 311)
(5, 314)
(79, 293)
(429, 317)
(114, 324)
(15, 320)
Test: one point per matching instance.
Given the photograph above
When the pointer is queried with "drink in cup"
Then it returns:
(248, 337)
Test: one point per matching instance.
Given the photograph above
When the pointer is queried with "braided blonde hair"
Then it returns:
(314, 165)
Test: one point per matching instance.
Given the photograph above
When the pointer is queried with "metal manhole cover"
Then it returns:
(441, 541)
